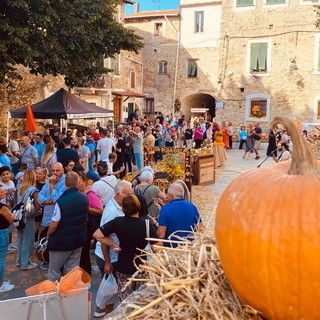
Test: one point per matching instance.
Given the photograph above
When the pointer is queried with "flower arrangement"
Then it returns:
(170, 164)
(218, 134)
(256, 112)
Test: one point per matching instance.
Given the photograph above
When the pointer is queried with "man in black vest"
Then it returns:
(68, 229)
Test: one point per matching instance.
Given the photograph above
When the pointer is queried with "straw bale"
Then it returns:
(186, 282)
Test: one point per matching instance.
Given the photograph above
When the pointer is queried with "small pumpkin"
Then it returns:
(268, 234)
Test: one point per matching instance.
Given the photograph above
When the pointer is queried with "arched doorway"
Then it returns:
(199, 101)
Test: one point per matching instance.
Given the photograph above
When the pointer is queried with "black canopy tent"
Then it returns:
(63, 105)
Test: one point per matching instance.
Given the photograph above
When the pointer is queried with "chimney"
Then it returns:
(136, 7)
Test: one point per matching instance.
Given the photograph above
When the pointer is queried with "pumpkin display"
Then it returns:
(268, 234)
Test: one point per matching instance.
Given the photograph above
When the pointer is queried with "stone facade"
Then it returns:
(179, 35)
(292, 81)
(126, 76)
(160, 47)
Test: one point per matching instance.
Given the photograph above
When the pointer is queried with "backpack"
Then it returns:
(142, 199)
(22, 210)
(20, 218)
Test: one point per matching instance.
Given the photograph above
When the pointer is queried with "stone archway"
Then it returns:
(199, 100)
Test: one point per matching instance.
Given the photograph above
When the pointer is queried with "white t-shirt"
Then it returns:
(9, 199)
(104, 188)
(14, 147)
(112, 210)
(105, 145)
(285, 155)
(56, 213)
(110, 166)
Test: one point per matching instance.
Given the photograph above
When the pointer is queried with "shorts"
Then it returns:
(256, 144)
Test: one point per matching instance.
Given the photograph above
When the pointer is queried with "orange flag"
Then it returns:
(31, 122)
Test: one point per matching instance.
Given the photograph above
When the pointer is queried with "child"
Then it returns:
(19, 177)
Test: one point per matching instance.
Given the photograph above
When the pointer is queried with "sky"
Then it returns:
(151, 5)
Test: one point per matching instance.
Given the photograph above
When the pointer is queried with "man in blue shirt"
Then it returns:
(51, 191)
(39, 145)
(179, 215)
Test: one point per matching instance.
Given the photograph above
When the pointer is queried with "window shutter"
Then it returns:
(254, 56)
(244, 2)
(262, 60)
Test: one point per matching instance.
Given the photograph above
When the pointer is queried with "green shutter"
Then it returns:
(258, 56)
(262, 61)
(244, 2)
(275, 1)
(254, 55)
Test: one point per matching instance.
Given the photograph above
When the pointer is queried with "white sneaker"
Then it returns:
(31, 265)
(11, 248)
(6, 286)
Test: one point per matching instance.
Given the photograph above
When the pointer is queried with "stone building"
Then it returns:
(160, 32)
(269, 61)
(244, 60)
(181, 56)
(121, 89)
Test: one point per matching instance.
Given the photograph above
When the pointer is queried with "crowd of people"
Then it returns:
(74, 185)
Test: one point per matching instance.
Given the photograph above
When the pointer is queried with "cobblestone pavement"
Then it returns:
(236, 165)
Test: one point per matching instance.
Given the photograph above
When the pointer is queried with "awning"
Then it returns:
(129, 94)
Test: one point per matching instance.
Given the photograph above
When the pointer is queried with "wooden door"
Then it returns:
(117, 109)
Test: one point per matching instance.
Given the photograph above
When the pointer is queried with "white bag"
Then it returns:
(107, 292)
(148, 246)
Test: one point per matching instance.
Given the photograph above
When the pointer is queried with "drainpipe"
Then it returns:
(177, 62)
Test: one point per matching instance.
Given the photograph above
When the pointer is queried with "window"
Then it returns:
(114, 64)
(243, 3)
(199, 21)
(158, 29)
(309, 2)
(192, 69)
(316, 113)
(258, 107)
(132, 79)
(149, 106)
(163, 67)
(258, 57)
(275, 1)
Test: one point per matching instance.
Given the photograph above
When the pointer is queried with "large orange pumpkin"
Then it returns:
(268, 234)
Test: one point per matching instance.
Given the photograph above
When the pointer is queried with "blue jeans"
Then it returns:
(15, 168)
(25, 243)
(138, 157)
(4, 241)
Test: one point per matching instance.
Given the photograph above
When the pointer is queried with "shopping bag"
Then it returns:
(74, 281)
(107, 292)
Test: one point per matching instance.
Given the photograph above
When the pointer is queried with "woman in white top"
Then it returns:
(104, 188)
(49, 157)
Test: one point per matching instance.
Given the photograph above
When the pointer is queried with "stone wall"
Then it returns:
(162, 48)
(292, 84)
(18, 93)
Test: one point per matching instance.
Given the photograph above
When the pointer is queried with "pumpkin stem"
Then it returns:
(304, 161)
